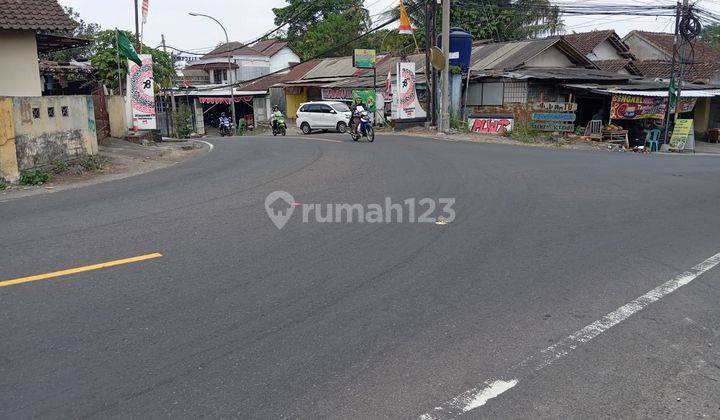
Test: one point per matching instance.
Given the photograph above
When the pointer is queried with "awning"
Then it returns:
(213, 100)
(685, 93)
(48, 43)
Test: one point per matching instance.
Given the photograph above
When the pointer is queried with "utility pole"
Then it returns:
(445, 101)
(683, 47)
(172, 127)
(672, 69)
(428, 67)
(433, 40)
(137, 30)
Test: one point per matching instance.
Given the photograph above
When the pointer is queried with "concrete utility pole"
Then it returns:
(137, 30)
(428, 66)
(683, 47)
(445, 101)
(672, 71)
(230, 73)
(172, 96)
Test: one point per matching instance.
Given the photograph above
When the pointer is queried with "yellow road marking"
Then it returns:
(77, 270)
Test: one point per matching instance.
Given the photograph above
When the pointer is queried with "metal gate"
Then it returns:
(102, 119)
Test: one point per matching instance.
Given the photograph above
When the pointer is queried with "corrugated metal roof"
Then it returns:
(332, 67)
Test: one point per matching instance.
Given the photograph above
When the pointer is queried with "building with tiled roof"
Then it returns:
(654, 52)
(20, 22)
(248, 61)
(606, 49)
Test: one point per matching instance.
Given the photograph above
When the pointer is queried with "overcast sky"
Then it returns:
(246, 19)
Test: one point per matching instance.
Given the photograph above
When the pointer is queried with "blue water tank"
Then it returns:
(460, 42)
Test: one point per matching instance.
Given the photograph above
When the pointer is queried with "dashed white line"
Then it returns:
(478, 396)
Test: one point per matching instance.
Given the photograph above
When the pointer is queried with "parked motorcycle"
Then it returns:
(279, 127)
(366, 128)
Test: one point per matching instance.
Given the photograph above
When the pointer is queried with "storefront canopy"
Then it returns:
(685, 93)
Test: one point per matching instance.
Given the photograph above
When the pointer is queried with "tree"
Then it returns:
(313, 26)
(500, 20)
(711, 35)
(106, 65)
(82, 30)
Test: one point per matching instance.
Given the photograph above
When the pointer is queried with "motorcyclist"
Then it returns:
(275, 116)
(224, 119)
(356, 113)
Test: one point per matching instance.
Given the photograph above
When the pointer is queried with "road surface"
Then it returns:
(571, 284)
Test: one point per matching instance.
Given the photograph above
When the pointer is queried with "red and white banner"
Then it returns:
(141, 94)
(145, 10)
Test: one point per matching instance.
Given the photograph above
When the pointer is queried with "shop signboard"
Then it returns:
(490, 125)
(683, 136)
(559, 126)
(630, 107)
(364, 59)
(141, 93)
(337, 94)
(367, 96)
(554, 116)
(555, 106)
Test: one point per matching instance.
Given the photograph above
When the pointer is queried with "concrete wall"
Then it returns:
(604, 51)
(41, 138)
(118, 116)
(19, 69)
(199, 117)
(552, 57)
(8, 159)
(643, 50)
(293, 102)
(282, 59)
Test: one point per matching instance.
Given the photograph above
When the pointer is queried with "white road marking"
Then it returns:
(212, 146)
(478, 396)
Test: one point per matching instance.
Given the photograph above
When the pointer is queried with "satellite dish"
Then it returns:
(437, 58)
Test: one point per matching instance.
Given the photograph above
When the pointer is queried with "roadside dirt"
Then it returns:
(119, 159)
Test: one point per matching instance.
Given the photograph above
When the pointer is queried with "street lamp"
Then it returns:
(230, 74)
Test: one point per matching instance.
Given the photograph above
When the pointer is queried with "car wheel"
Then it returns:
(305, 127)
(341, 127)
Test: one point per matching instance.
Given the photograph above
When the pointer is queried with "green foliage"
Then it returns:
(455, 70)
(34, 177)
(711, 35)
(316, 25)
(501, 20)
(3, 185)
(105, 61)
(183, 121)
(457, 123)
(83, 30)
(522, 132)
(59, 167)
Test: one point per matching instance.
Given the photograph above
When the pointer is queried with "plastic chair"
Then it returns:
(652, 140)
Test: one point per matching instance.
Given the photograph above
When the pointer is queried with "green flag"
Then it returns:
(126, 49)
(672, 95)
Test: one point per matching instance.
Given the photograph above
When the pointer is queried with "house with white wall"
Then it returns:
(246, 62)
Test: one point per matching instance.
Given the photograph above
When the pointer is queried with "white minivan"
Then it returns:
(323, 115)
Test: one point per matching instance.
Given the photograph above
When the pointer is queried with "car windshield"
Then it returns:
(341, 108)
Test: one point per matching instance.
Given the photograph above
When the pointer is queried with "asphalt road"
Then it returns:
(239, 319)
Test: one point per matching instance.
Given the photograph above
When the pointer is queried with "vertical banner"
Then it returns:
(141, 94)
(407, 96)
